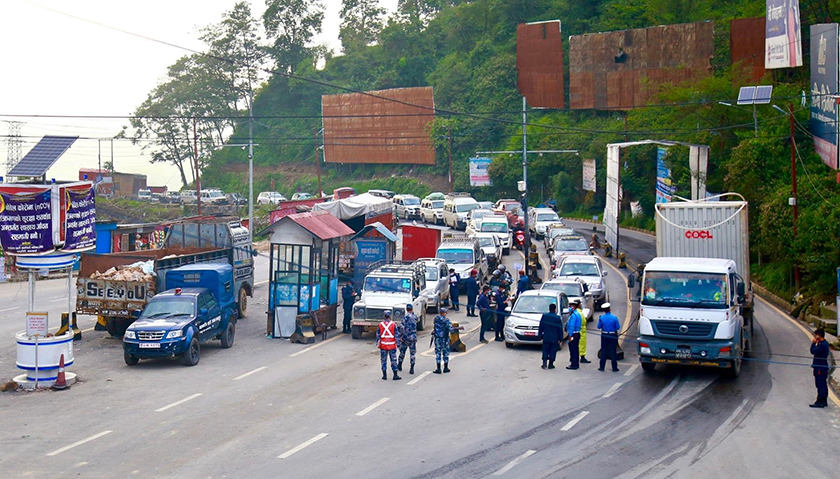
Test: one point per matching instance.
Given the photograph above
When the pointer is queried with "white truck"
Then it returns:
(696, 297)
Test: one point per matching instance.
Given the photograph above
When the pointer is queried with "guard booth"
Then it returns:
(303, 274)
(374, 244)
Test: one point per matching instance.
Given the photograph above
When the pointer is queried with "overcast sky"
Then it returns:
(57, 65)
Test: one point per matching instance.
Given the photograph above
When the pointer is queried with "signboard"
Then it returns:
(589, 175)
(479, 175)
(37, 323)
(824, 84)
(664, 187)
(782, 37)
(26, 222)
(80, 219)
(539, 63)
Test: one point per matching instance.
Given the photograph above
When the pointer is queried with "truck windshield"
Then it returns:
(456, 256)
(164, 307)
(533, 304)
(494, 227)
(693, 290)
(378, 284)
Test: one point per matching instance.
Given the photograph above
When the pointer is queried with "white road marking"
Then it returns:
(315, 346)
(57, 300)
(261, 282)
(372, 407)
(78, 443)
(631, 370)
(302, 446)
(9, 309)
(418, 378)
(237, 378)
(612, 390)
(575, 420)
(182, 401)
(514, 462)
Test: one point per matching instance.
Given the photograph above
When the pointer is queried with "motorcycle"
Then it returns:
(519, 240)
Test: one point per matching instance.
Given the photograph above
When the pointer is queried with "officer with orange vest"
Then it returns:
(386, 341)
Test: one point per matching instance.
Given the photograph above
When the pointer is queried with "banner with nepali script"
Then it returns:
(80, 232)
(26, 224)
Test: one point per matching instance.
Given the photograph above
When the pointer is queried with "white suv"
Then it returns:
(407, 207)
(587, 269)
(272, 197)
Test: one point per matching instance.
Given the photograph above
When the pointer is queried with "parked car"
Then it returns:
(437, 280)
(144, 195)
(474, 220)
(431, 211)
(272, 197)
(486, 205)
(172, 197)
(575, 289)
(554, 230)
(492, 248)
(189, 197)
(587, 269)
(407, 207)
(512, 209)
(566, 246)
(213, 197)
(301, 196)
(157, 197)
(236, 199)
(455, 209)
(523, 324)
(539, 219)
(382, 193)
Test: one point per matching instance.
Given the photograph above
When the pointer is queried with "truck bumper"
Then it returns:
(168, 349)
(705, 353)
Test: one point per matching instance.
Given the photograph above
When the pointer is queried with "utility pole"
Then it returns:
(525, 182)
(197, 177)
(795, 196)
(449, 134)
(99, 157)
(318, 162)
(13, 145)
(250, 160)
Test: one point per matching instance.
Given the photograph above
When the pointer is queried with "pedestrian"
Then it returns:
(471, 287)
(386, 341)
(524, 283)
(501, 299)
(441, 338)
(550, 333)
(454, 288)
(407, 337)
(582, 344)
(573, 328)
(609, 326)
(819, 348)
(348, 296)
(484, 311)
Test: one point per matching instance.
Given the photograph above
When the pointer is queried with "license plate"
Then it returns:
(683, 353)
(149, 345)
(530, 333)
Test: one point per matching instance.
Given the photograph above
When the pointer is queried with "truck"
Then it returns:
(391, 287)
(696, 296)
(198, 307)
(116, 287)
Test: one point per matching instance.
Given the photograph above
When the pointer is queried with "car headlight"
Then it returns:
(130, 335)
(359, 312)
(399, 313)
(175, 333)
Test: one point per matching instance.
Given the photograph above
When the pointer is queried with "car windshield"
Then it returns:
(456, 255)
(494, 227)
(571, 289)
(431, 273)
(533, 304)
(548, 217)
(478, 214)
(387, 285)
(579, 269)
(411, 201)
(437, 205)
(578, 244)
(485, 241)
(512, 206)
(216, 194)
(561, 232)
(463, 208)
(166, 306)
(705, 290)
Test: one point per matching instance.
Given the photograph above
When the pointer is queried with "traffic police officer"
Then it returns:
(819, 348)
(582, 345)
(441, 338)
(407, 337)
(471, 286)
(386, 341)
(551, 333)
(501, 299)
(609, 326)
(485, 313)
(524, 283)
(348, 296)
(573, 328)
(454, 288)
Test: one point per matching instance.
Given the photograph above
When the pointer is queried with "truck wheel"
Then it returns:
(648, 367)
(192, 354)
(735, 370)
(227, 336)
(356, 332)
(116, 326)
(243, 302)
(129, 359)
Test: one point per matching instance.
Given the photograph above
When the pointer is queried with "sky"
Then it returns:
(57, 65)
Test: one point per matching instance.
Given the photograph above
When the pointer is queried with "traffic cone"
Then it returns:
(60, 381)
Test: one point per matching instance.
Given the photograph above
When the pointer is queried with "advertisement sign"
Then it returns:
(782, 38)
(824, 83)
(37, 324)
(26, 223)
(589, 175)
(664, 188)
(80, 220)
(479, 176)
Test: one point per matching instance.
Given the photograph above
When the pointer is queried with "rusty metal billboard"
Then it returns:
(624, 69)
(539, 63)
(746, 46)
(385, 126)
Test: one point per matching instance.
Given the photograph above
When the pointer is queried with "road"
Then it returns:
(268, 408)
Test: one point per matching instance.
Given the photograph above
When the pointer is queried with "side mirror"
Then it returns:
(604, 273)
(202, 311)
(631, 281)
(741, 289)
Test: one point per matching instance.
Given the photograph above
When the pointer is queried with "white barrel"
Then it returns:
(49, 354)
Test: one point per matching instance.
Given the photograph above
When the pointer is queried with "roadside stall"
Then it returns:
(374, 244)
(303, 274)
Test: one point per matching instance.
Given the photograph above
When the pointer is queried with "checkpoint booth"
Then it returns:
(374, 244)
(303, 274)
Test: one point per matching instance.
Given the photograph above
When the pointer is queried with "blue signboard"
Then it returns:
(664, 188)
(824, 84)
(479, 174)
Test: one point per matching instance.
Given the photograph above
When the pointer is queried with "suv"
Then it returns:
(523, 324)
(455, 209)
(587, 269)
(437, 281)
(463, 255)
(554, 230)
(492, 248)
(390, 288)
(301, 196)
(539, 219)
(574, 289)
(172, 198)
(474, 218)
(407, 207)
(213, 197)
(144, 195)
(431, 211)
(271, 197)
(498, 225)
(189, 197)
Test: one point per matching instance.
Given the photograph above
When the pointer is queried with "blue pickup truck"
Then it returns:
(199, 306)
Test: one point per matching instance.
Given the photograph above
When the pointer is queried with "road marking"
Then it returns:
(261, 282)
(237, 378)
(88, 329)
(612, 390)
(575, 420)
(57, 300)
(9, 309)
(78, 443)
(429, 352)
(372, 407)
(302, 446)
(182, 401)
(514, 462)
(418, 378)
(314, 346)
(631, 370)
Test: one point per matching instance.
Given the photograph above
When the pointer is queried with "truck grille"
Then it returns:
(375, 313)
(684, 329)
(150, 335)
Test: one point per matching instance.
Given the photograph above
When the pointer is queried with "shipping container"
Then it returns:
(419, 242)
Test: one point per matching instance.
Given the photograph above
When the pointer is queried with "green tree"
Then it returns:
(361, 22)
(290, 26)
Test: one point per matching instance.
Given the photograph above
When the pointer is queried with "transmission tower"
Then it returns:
(13, 145)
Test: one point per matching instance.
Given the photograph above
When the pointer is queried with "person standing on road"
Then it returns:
(471, 286)
(524, 283)
(501, 299)
(551, 333)
(573, 328)
(348, 296)
(819, 348)
(454, 288)
(407, 337)
(582, 344)
(484, 312)
(609, 326)
(386, 341)
(441, 338)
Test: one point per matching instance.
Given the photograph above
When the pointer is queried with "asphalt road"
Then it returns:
(268, 408)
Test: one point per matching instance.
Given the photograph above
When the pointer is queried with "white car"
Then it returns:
(407, 207)
(272, 197)
(568, 246)
(523, 324)
(189, 197)
(431, 211)
(498, 225)
(144, 195)
(587, 269)
(213, 197)
(474, 218)
(555, 231)
(492, 247)
(575, 290)
(437, 280)
(539, 220)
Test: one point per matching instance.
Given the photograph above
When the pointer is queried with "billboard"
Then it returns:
(664, 186)
(824, 83)
(623, 69)
(589, 175)
(385, 126)
(479, 175)
(746, 46)
(539, 63)
(783, 37)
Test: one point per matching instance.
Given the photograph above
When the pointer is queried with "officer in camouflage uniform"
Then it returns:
(441, 337)
(407, 336)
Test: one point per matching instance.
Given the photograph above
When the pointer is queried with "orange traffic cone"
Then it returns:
(60, 381)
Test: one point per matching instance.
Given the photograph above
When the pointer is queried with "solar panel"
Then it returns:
(746, 95)
(42, 156)
(763, 94)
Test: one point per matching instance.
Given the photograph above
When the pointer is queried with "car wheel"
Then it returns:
(243, 302)
(508, 345)
(356, 332)
(648, 367)
(506, 251)
(228, 335)
(193, 354)
(421, 323)
(129, 359)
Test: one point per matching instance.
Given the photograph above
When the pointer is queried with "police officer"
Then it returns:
(609, 326)
(573, 328)
(441, 338)
(407, 337)
(386, 341)
(348, 296)
(551, 333)
(471, 286)
(819, 348)
(524, 283)
(454, 288)
(485, 313)
(582, 343)
(501, 299)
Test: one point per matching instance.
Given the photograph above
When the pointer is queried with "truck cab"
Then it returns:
(199, 307)
(390, 288)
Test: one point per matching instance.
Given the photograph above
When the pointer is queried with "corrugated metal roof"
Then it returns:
(321, 224)
(382, 229)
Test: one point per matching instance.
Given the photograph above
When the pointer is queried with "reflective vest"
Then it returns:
(387, 340)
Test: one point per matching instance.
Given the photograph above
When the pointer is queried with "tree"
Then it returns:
(361, 22)
(290, 26)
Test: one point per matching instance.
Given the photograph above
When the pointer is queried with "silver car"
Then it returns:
(523, 324)
(575, 290)
(587, 269)
(437, 281)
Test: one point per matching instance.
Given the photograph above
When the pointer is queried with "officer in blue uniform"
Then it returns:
(573, 328)
(609, 326)
(524, 283)
(819, 348)
(454, 288)
(501, 299)
(407, 337)
(471, 287)
(551, 333)
(441, 338)
(484, 311)
(348, 296)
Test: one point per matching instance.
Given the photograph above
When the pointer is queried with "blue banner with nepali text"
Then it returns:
(26, 224)
(80, 219)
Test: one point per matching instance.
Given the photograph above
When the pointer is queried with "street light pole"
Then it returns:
(525, 182)
(795, 195)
